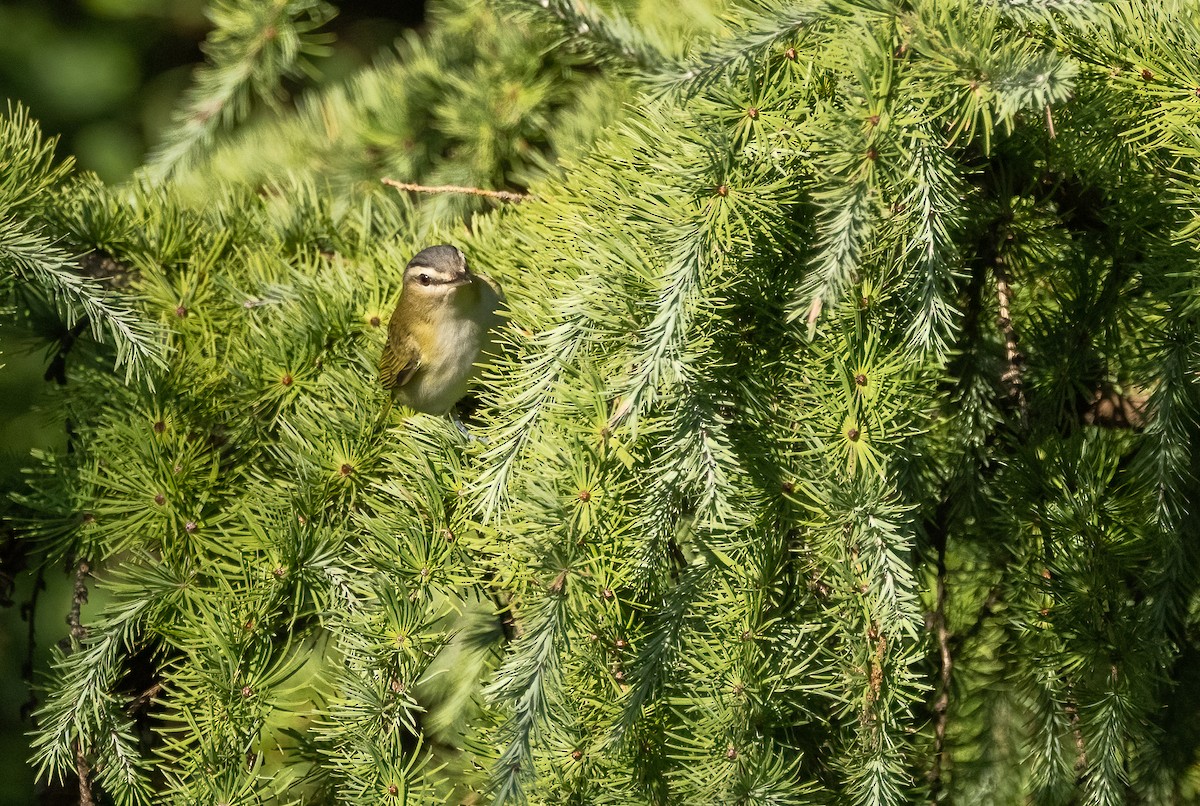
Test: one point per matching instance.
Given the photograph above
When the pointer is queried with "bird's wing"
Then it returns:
(401, 358)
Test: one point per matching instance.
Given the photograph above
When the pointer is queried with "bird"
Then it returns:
(443, 327)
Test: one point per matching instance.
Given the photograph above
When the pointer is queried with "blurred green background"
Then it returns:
(103, 76)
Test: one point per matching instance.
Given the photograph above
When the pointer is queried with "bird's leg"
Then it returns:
(456, 418)
(460, 425)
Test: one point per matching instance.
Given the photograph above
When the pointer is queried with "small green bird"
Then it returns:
(443, 326)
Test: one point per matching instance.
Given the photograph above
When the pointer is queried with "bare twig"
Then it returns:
(1080, 748)
(144, 698)
(499, 195)
(83, 771)
(941, 703)
(78, 633)
(1012, 374)
(78, 598)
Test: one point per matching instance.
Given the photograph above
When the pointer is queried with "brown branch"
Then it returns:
(941, 703)
(144, 698)
(83, 771)
(499, 195)
(1011, 378)
(78, 598)
(78, 633)
(1077, 732)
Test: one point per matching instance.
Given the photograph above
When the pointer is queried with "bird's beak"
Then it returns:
(462, 278)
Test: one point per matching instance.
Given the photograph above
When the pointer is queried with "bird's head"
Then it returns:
(436, 271)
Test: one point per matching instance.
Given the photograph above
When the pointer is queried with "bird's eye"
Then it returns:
(423, 279)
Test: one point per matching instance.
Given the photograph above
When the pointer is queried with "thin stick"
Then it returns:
(144, 698)
(83, 770)
(1080, 748)
(78, 598)
(78, 633)
(941, 703)
(499, 195)
(1012, 375)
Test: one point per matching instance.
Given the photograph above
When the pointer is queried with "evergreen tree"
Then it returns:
(842, 450)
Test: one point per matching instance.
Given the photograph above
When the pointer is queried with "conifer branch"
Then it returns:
(662, 339)
(1081, 14)
(762, 33)
(656, 661)
(1072, 711)
(558, 347)
(935, 201)
(30, 172)
(145, 698)
(526, 681)
(83, 714)
(254, 46)
(844, 226)
(31, 257)
(499, 195)
(607, 34)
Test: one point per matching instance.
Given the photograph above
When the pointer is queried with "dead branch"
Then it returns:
(499, 195)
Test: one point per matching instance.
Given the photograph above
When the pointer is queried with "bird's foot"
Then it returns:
(466, 432)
